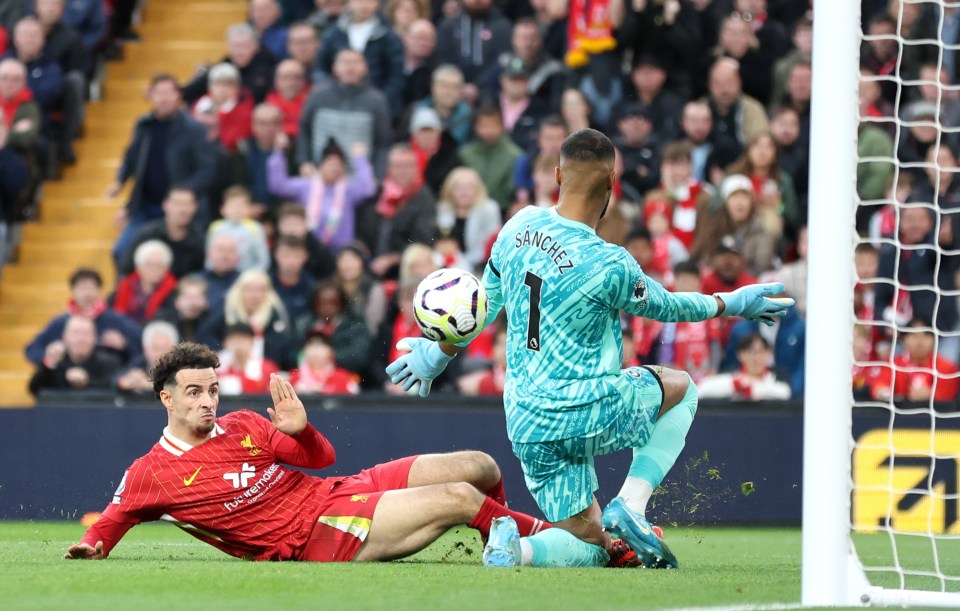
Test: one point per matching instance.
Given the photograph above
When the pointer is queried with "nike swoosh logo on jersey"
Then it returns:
(189, 480)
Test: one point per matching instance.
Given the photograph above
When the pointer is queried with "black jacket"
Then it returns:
(101, 367)
(257, 78)
(415, 222)
(189, 157)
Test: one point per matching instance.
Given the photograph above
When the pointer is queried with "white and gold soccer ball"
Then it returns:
(450, 305)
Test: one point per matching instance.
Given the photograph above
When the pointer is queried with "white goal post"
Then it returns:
(832, 572)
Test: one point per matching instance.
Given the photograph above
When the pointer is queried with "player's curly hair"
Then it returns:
(187, 355)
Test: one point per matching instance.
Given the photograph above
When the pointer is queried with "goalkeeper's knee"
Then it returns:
(678, 391)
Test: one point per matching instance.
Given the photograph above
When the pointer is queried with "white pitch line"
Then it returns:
(767, 607)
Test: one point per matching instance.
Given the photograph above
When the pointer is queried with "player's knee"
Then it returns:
(483, 468)
(463, 496)
(677, 387)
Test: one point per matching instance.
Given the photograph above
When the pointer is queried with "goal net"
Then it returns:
(882, 447)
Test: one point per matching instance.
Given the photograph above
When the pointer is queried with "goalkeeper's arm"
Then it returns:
(492, 287)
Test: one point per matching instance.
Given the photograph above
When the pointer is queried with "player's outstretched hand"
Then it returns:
(83, 551)
(287, 412)
(421, 365)
(754, 302)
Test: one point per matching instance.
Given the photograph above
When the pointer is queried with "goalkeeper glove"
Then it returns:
(753, 302)
(422, 364)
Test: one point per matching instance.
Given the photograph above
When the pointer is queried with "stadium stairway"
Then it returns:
(75, 225)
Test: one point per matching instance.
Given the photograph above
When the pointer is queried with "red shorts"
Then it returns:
(347, 511)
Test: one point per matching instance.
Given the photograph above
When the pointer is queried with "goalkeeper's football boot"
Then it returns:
(639, 534)
(503, 546)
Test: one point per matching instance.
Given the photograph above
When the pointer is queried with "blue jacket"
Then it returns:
(190, 158)
(87, 17)
(45, 82)
(107, 321)
(274, 39)
(788, 349)
(384, 54)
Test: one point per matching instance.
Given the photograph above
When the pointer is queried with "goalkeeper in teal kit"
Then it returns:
(565, 396)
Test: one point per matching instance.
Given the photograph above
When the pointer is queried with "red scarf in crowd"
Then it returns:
(393, 197)
(128, 287)
(11, 106)
(74, 310)
(589, 31)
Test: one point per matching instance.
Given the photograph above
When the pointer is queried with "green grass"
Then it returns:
(159, 567)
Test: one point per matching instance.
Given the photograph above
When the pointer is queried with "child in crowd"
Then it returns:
(238, 223)
(316, 372)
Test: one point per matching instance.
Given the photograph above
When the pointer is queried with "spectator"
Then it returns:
(488, 382)
(792, 153)
(918, 132)
(334, 318)
(419, 60)
(880, 51)
(551, 17)
(248, 234)
(190, 308)
(292, 221)
(363, 30)
(402, 13)
(75, 363)
(220, 269)
(912, 268)
(347, 111)
(317, 372)
(234, 109)
(551, 134)
(711, 151)
(149, 287)
(802, 53)
(661, 105)
(638, 147)
(727, 273)
(793, 275)
(243, 369)
(64, 46)
(797, 95)
(289, 94)
(773, 189)
(456, 115)
(354, 278)
(14, 178)
(256, 65)
(435, 149)
(290, 280)
(168, 148)
(159, 338)
(919, 373)
(735, 114)
(177, 230)
(89, 20)
(21, 114)
(755, 227)
(266, 22)
(115, 333)
(575, 110)
(248, 165)
(668, 250)
(942, 186)
(771, 33)
(398, 322)
(327, 14)
(466, 214)
(473, 40)
(547, 76)
(492, 154)
(687, 194)
(754, 382)
(404, 212)
(45, 76)
(521, 113)
(873, 177)
(303, 46)
(668, 31)
(755, 63)
(329, 196)
(873, 107)
(252, 301)
(865, 372)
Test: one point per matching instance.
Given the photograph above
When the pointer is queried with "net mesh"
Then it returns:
(906, 436)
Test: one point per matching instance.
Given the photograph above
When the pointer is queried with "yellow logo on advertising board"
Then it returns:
(907, 479)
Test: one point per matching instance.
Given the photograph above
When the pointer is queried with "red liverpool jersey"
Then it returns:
(230, 491)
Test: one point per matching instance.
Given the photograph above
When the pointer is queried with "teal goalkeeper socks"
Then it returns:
(652, 461)
(557, 548)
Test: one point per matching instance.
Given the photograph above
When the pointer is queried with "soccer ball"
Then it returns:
(450, 306)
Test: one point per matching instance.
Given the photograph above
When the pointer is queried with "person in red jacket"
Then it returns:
(289, 93)
(233, 105)
(317, 372)
(226, 481)
(918, 373)
(243, 370)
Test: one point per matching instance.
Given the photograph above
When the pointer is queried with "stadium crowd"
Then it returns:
(287, 200)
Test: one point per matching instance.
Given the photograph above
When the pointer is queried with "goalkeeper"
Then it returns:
(565, 396)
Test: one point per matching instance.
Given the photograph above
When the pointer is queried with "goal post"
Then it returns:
(826, 548)
(832, 571)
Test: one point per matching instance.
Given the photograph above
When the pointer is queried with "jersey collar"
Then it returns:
(178, 447)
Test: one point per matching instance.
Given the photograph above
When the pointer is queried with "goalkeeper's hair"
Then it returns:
(587, 146)
(187, 355)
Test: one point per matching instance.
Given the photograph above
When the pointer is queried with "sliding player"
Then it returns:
(565, 396)
(221, 480)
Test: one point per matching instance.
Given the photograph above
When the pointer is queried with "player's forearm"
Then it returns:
(683, 307)
(108, 530)
(308, 449)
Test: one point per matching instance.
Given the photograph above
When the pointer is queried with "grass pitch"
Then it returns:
(159, 567)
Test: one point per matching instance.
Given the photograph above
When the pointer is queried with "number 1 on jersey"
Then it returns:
(535, 283)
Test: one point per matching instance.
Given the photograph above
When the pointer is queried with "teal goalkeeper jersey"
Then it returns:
(562, 288)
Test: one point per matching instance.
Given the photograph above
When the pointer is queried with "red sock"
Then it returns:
(497, 493)
(528, 525)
